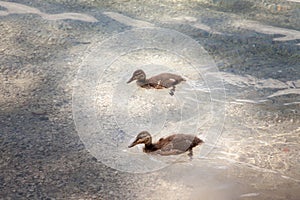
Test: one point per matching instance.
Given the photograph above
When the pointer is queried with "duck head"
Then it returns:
(142, 138)
(138, 75)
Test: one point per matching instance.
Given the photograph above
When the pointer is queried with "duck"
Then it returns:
(160, 81)
(172, 145)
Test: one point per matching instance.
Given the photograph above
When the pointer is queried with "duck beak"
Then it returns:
(130, 80)
(133, 144)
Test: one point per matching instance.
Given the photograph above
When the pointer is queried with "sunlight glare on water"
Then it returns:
(120, 111)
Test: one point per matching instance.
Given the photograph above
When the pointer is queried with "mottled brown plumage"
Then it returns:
(171, 145)
(164, 80)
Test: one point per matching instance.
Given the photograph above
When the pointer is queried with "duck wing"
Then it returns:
(176, 144)
(165, 80)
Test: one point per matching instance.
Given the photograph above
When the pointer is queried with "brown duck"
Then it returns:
(164, 80)
(171, 145)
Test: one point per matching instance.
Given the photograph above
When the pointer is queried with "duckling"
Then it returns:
(164, 80)
(171, 145)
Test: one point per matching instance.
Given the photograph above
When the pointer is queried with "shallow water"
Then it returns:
(127, 109)
(64, 99)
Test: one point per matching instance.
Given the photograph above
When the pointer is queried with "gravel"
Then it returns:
(42, 156)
